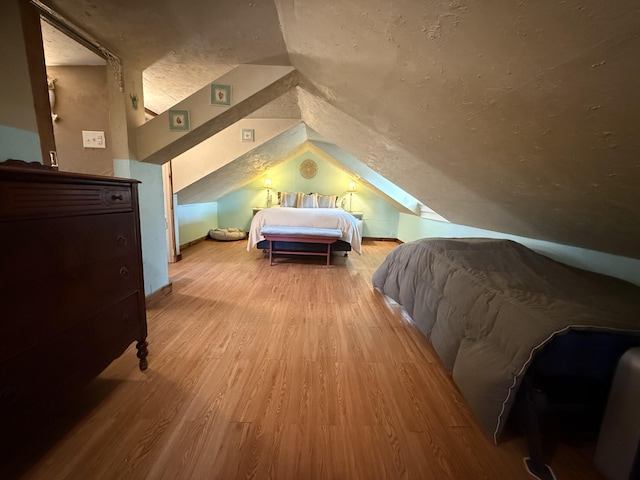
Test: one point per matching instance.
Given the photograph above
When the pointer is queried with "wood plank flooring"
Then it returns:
(294, 371)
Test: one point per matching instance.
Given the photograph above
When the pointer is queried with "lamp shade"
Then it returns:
(352, 187)
(267, 183)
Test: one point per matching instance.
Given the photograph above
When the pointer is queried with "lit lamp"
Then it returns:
(267, 185)
(351, 190)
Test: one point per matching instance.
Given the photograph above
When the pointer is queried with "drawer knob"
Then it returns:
(122, 240)
(124, 272)
(117, 196)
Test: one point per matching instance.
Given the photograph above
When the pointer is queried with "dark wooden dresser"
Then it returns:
(71, 287)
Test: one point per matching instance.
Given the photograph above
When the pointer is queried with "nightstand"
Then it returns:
(257, 209)
(359, 217)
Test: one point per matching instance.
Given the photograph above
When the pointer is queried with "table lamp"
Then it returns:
(351, 190)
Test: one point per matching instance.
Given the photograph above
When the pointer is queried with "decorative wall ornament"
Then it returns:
(115, 63)
(220, 94)
(51, 86)
(179, 120)
(248, 135)
(308, 168)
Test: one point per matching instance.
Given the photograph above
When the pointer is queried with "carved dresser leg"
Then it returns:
(142, 354)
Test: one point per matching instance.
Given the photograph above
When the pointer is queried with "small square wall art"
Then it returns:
(248, 135)
(179, 120)
(220, 94)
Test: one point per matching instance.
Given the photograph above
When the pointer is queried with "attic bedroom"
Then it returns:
(438, 130)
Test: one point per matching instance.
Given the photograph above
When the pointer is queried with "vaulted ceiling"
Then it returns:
(517, 117)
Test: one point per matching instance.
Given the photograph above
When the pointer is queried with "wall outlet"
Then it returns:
(93, 139)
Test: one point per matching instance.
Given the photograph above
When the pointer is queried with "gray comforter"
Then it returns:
(488, 305)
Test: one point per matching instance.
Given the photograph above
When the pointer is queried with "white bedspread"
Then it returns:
(307, 217)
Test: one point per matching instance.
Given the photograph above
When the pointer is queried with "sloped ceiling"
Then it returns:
(234, 175)
(518, 117)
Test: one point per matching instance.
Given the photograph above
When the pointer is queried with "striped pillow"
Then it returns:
(308, 201)
(288, 199)
(327, 201)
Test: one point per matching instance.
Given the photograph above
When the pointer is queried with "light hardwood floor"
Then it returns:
(295, 371)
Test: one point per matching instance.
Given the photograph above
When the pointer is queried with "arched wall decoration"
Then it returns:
(308, 168)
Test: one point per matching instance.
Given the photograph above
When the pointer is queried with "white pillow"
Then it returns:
(288, 199)
(327, 201)
(308, 201)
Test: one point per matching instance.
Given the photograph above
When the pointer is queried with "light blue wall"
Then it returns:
(412, 228)
(152, 220)
(380, 218)
(235, 209)
(195, 220)
(19, 145)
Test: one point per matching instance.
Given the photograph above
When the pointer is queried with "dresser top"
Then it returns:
(27, 172)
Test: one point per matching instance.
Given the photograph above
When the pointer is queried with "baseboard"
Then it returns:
(158, 294)
(377, 239)
(198, 240)
(192, 242)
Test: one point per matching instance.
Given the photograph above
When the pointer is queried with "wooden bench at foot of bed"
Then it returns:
(327, 236)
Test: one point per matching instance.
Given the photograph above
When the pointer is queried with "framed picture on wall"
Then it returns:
(248, 135)
(179, 120)
(220, 94)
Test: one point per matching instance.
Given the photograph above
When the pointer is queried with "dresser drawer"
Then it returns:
(50, 246)
(63, 300)
(32, 199)
(60, 363)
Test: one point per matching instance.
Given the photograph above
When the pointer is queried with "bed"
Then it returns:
(308, 219)
(496, 312)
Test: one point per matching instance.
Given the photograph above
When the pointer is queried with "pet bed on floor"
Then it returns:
(227, 234)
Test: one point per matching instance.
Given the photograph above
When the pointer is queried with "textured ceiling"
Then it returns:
(516, 117)
(181, 46)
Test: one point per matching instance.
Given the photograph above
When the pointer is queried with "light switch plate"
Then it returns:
(93, 139)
